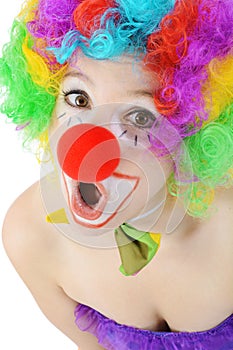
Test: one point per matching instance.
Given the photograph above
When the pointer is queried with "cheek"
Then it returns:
(136, 137)
(152, 172)
(55, 121)
(167, 166)
(64, 119)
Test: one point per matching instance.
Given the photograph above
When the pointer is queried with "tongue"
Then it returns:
(90, 193)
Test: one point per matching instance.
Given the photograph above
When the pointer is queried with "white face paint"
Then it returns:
(116, 96)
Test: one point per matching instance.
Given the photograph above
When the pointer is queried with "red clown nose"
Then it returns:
(88, 153)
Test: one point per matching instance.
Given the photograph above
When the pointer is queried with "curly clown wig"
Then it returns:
(186, 44)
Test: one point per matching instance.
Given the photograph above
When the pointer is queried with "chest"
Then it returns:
(186, 286)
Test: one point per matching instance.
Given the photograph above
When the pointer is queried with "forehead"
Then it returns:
(124, 70)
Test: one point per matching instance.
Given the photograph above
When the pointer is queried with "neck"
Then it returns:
(164, 214)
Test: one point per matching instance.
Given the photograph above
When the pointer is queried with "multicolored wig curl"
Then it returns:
(186, 44)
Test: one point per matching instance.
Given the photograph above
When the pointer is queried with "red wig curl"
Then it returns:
(167, 47)
(88, 14)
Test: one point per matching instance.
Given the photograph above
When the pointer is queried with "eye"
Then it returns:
(142, 118)
(76, 98)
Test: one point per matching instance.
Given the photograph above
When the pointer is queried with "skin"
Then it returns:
(188, 286)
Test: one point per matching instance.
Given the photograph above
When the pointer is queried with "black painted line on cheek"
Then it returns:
(62, 115)
(69, 121)
(123, 133)
(79, 119)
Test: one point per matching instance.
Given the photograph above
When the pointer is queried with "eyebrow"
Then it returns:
(79, 75)
(84, 77)
(139, 93)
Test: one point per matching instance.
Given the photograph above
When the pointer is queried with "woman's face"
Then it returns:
(116, 96)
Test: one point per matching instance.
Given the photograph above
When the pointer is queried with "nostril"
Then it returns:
(89, 193)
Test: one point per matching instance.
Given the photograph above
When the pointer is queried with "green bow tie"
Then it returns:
(137, 248)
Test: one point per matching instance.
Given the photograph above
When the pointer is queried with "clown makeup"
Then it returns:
(90, 83)
(111, 102)
(195, 77)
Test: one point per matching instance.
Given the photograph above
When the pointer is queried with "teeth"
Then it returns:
(89, 193)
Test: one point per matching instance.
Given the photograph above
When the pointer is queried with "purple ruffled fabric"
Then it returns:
(114, 336)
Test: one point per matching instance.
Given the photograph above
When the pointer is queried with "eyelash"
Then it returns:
(67, 93)
(152, 117)
(141, 135)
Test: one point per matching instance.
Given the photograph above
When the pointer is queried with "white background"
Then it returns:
(22, 324)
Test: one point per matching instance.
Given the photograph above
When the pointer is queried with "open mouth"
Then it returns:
(94, 204)
(88, 200)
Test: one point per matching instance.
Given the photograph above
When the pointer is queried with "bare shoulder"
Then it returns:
(34, 249)
(26, 242)
(22, 229)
